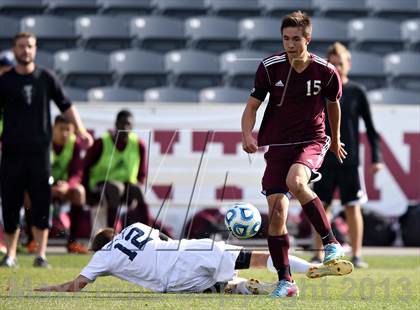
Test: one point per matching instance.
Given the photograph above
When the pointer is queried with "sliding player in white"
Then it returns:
(142, 255)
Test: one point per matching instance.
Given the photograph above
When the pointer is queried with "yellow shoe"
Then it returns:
(337, 268)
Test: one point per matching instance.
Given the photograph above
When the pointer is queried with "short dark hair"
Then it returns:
(298, 19)
(124, 114)
(101, 238)
(60, 118)
(24, 34)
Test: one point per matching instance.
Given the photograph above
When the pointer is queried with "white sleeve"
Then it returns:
(97, 266)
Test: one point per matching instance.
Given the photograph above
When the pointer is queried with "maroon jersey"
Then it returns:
(300, 117)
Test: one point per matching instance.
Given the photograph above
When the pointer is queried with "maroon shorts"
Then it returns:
(279, 159)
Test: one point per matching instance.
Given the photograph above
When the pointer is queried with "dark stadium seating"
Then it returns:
(281, 8)
(239, 67)
(44, 59)
(82, 68)
(193, 69)
(236, 9)
(158, 33)
(103, 33)
(76, 94)
(260, 33)
(367, 69)
(53, 32)
(397, 10)
(179, 8)
(212, 33)
(339, 9)
(325, 32)
(124, 7)
(113, 94)
(21, 8)
(170, 95)
(393, 96)
(375, 35)
(403, 69)
(410, 31)
(138, 68)
(223, 95)
(71, 8)
(139, 35)
(8, 28)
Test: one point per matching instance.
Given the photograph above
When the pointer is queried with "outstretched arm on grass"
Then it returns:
(73, 286)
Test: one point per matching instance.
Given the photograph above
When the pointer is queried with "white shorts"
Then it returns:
(199, 265)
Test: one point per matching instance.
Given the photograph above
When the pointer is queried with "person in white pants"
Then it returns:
(144, 256)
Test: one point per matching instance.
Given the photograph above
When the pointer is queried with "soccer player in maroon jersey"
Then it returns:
(293, 128)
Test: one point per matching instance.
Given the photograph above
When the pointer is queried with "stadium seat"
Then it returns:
(239, 67)
(404, 69)
(367, 69)
(124, 7)
(261, 33)
(76, 94)
(113, 94)
(170, 95)
(138, 68)
(411, 33)
(8, 28)
(71, 8)
(82, 68)
(393, 96)
(44, 59)
(284, 7)
(103, 33)
(179, 8)
(236, 9)
(193, 69)
(398, 10)
(21, 8)
(212, 33)
(53, 32)
(339, 9)
(158, 33)
(375, 35)
(325, 32)
(223, 95)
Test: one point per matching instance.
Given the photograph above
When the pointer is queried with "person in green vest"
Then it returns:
(66, 170)
(114, 170)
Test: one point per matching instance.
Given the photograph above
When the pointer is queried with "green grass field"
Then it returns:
(390, 283)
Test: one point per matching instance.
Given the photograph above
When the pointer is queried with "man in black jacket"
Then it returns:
(25, 95)
(345, 176)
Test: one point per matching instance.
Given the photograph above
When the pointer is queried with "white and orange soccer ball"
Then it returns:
(243, 220)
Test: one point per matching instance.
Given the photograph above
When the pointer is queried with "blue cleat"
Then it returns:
(285, 289)
(333, 252)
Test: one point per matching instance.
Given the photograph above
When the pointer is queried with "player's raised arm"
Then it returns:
(73, 286)
(334, 116)
(249, 143)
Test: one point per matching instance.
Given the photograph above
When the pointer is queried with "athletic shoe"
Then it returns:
(315, 177)
(337, 268)
(358, 263)
(333, 252)
(8, 262)
(257, 287)
(76, 248)
(285, 288)
(41, 262)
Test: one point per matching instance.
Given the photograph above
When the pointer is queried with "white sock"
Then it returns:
(297, 265)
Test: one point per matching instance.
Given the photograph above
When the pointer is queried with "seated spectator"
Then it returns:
(115, 168)
(67, 169)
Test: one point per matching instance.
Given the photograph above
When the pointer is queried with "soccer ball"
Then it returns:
(243, 220)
